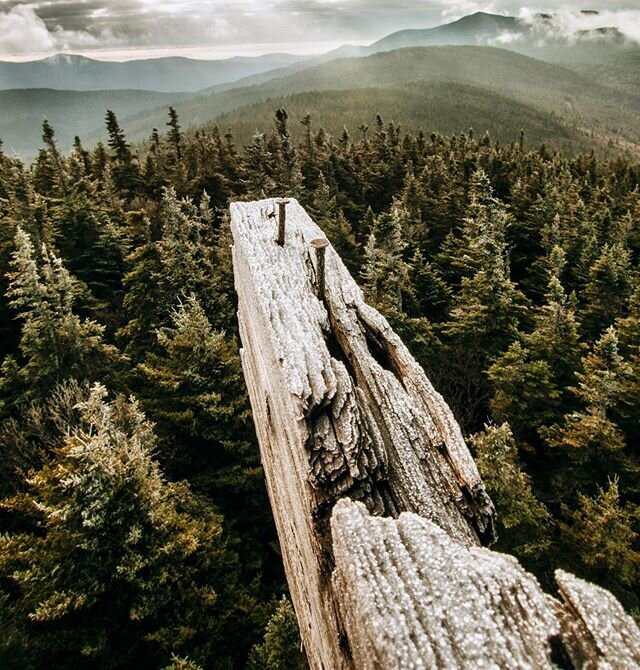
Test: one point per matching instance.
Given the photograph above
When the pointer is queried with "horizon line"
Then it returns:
(199, 52)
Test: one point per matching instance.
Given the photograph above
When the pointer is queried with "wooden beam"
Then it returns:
(396, 577)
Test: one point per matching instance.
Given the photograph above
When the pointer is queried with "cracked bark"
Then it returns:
(343, 413)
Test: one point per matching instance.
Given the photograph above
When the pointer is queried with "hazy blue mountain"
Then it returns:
(478, 28)
(65, 72)
(70, 112)
(590, 86)
(535, 38)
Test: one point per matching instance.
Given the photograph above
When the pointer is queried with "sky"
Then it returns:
(122, 29)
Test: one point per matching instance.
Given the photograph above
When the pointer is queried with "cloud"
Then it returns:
(456, 10)
(46, 26)
(23, 31)
(566, 23)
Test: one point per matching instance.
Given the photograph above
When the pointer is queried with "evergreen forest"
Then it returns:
(135, 528)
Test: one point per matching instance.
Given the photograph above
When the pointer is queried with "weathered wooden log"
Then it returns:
(412, 597)
(342, 411)
(596, 631)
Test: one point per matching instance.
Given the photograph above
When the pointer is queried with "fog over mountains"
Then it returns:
(548, 65)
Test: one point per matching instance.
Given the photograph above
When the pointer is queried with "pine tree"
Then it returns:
(174, 136)
(607, 532)
(110, 565)
(608, 288)
(556, 336)
(530, 378)
(281, 647)
(184, 260)
(485, 315)
(55, 343)
(286, 170)
(589, 441)
(126, 175)
(326, 213)
(49, 138)
(196, 382)
(525, 522)
(525, 394)
(385, 271)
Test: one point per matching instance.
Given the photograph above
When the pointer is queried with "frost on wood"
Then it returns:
(343, 413)
(341, 409)
(412, 597)
(597, 632)
(375, 428)
(415, 598)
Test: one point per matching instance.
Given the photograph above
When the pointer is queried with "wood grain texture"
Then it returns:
(378, 504)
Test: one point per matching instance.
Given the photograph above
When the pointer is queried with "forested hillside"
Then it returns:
(584, 106)
(415, 106)
(135, 529)
(445, 89)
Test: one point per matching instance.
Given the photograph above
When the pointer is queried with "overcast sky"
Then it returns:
(131, 28)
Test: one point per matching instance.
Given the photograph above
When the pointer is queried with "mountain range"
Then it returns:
(165, 75)
(580, 93)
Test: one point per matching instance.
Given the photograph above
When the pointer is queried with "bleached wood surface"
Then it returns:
(415, 598)
(342, 411)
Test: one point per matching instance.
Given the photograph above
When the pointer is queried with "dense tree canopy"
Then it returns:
(134, 524)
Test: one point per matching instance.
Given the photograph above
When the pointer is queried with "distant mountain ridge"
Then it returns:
(478, 28)
(536, 37)
(589, 83)
(545, 87)
(79, 73)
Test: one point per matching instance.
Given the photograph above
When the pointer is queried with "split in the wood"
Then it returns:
(344, 413)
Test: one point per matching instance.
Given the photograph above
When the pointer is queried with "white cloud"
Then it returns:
(566, 23)
(456, 10)
(21, 31)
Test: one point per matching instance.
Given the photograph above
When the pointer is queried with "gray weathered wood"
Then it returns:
(344, 413)
(413, 597)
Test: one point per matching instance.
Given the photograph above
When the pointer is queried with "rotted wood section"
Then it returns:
(378, 504)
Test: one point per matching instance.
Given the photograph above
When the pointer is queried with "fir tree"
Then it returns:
(525, 522)
(281, 647)
(607, 532)
(593, 444)
(55, 343)
(111, 565)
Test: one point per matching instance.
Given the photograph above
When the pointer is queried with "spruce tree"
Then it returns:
(55, 343)
(111, 565)
(524, 522)
(600, 541)
(590, 444)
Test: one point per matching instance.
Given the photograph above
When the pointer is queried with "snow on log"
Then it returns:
(415, 598)
(343, 413)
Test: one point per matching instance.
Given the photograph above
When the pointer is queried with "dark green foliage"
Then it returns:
(524, 522)
(511, 274)
(56, 344)
(281, 647)
(114, 566)
(607, 532)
